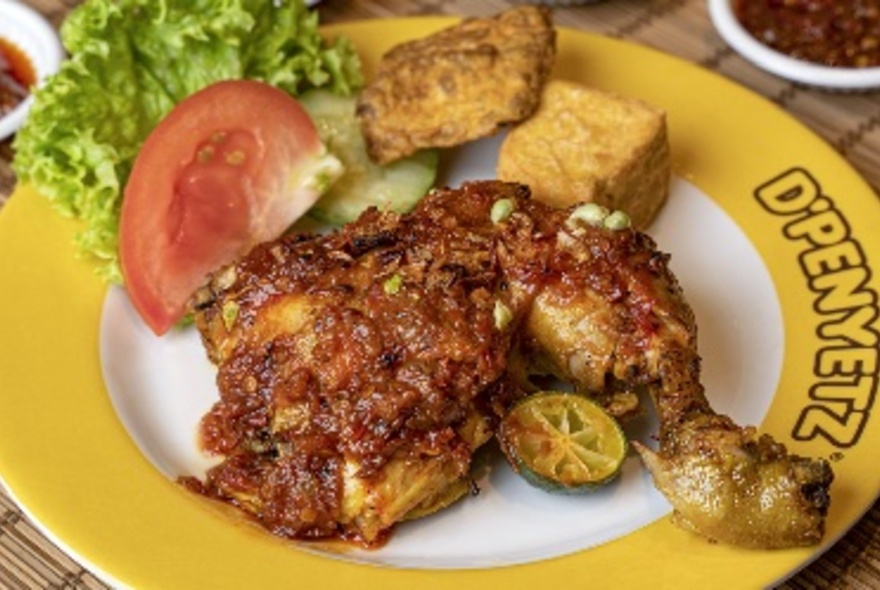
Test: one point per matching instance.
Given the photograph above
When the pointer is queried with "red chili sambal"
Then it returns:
(17, 76)
(839, 33)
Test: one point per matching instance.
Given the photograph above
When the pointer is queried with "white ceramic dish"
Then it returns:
(30, 32)
(730, 29)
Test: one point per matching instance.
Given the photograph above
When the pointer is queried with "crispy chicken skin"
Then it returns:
(359, 371)
(460, 84)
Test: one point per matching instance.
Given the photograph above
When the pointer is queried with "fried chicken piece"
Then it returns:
(609, 316)
(460, 84)
(353, 372)
(359, 371)
(724, 481)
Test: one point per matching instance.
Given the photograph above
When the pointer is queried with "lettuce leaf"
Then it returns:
(130, 62)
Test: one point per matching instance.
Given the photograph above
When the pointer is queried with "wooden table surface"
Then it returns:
(849, 122)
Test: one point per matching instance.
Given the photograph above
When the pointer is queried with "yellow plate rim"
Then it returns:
(69, 462)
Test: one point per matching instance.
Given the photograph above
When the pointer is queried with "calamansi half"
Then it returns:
(563, 442)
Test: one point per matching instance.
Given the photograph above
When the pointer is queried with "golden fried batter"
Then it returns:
(460, 84)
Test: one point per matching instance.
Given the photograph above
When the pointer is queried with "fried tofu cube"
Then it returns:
(587, 145)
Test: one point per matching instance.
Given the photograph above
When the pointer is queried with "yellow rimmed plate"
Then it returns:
(71, 462)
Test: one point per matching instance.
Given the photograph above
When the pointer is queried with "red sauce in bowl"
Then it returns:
(17, 76)
(839, 33)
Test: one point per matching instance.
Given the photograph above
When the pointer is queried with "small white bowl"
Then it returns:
(730, 29)
(30, 32)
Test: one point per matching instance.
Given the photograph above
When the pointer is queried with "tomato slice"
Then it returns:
(232, 165)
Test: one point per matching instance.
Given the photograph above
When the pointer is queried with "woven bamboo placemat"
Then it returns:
(849, 122)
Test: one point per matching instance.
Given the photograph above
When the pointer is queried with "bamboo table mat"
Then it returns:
(850, 122)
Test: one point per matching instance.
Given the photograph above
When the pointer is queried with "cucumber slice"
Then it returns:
(396, 187)
(563, 442)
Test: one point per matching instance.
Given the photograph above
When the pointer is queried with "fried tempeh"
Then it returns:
(460, 84)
